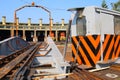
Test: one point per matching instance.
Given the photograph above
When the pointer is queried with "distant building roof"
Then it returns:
(99, 9)
(75, 9)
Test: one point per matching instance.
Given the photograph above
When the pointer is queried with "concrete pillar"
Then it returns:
(17, 26)
(45, 39)
(35, 36)
(17, 21)
(29, 22)
(3, 20)
(56, 35)
(45, 32)
(24, 37)
(62, 22)
(51, 25)
(40, 23)
(12, 31)
(51, 22)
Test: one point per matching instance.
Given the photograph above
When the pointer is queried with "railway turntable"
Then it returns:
(34, 61)
(49, 63)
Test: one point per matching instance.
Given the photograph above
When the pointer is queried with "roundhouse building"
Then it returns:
(33, 31)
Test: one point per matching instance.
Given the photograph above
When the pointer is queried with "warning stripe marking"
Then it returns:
(75, 52)
(117, 46)
(93, 41)
(108, 47)
(84, 57)
(87, 49)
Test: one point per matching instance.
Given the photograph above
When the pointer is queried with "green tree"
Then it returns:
(116, 6)
(104, 5)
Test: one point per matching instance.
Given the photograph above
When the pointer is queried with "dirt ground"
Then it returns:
(69, 50)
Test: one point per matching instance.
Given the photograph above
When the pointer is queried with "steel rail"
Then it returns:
(12, 56)
(11, 65)
(89, 75)
(115, 67)
(22, 70)
(78, 74)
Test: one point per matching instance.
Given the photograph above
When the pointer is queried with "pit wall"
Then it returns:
(12, 44)
(90, 49)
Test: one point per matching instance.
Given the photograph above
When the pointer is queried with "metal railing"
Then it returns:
(26, 27)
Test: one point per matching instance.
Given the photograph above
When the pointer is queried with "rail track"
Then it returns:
(111, 73)
(17, 65)
(13, 55)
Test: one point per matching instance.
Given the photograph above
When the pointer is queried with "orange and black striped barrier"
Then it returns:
(117, 46)
(108, 47)
(87, 49)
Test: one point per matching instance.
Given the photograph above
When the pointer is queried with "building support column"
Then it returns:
(12, 31)
(40, 23)
(62, 23)
(56, 34)
(51, 25)
(3, 20)
(35, 37)
(24, 37)
(29, 23)
(45, 34)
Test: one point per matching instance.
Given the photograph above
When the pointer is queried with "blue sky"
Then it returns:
(58, 9)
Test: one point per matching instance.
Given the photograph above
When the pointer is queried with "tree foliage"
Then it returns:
(116, 6)
(104, 5)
